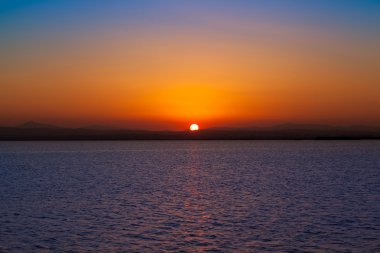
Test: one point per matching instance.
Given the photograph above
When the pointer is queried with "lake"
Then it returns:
(190, 196)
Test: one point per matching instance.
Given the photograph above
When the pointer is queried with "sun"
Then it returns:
(194, 127)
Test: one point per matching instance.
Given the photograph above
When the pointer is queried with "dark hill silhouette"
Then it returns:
(38, 131)
(33, 124)
(303, 126)
(99, 127)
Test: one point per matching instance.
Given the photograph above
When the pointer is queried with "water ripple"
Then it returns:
(190, 196)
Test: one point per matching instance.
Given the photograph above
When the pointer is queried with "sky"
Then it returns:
(163, 64)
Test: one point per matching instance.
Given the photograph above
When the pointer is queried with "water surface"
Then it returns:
(190, 196)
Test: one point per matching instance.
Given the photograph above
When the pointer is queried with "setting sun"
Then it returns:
(194, 127)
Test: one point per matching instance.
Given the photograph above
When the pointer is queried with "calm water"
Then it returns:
(190, 196)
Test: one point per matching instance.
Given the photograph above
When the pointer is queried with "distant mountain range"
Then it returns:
(33, 124)
(39, 131)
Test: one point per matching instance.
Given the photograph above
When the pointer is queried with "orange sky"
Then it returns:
(216, 69)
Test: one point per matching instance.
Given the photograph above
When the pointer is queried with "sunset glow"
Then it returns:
(159, 64)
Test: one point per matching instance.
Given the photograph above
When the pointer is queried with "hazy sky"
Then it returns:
(165, 64)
